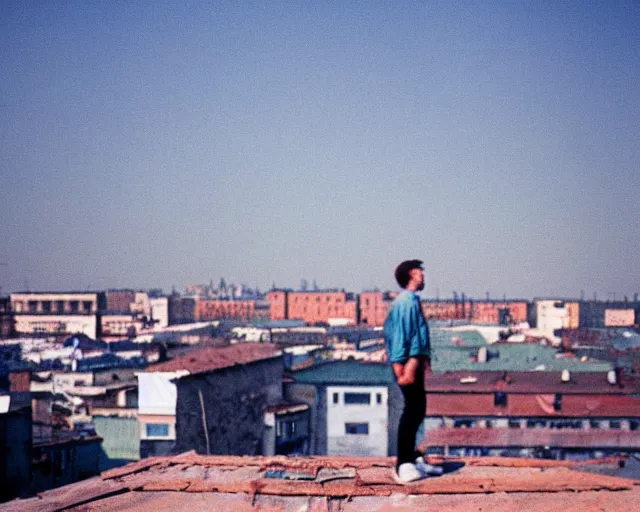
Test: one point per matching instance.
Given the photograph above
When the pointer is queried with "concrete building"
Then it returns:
(56, 325)
(6, 318)
(182, 310)
(554, 315)
(57, 303)
(159, 311)
(120, 326)
(212, 400)
(355, 407)
(57, 313)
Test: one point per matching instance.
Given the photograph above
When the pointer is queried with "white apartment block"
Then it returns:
(357, 420)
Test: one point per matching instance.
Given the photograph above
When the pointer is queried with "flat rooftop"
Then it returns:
(325, 484)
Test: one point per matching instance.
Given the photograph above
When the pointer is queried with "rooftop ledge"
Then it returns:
(197, 482)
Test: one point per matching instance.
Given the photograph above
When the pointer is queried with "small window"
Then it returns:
(514, 423)
(87, 306)
(594, 424)
(357, 398)
(157, 429)
(33, 306)
(336, 398)
(557, 402)
(356, 428)
(614, 424)
(500, 399)
(378, 398)
(73, 306)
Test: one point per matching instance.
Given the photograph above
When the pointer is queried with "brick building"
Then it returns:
(539, 414)
(119, 301)
(314, 307)
(215, 309)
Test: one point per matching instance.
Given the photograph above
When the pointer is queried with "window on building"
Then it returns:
(500, 399)
(336, 398)
(356, 428)
(157, 429)
(46, 306)
(378, 398)
(633, 425)
(514, 423)
(87, 305)
(557, 402)
(614, 424)
(33, 306)
(357, 398)
(60, 306)
(73, 306)
(594, 424)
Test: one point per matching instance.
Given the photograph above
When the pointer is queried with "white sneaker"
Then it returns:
(427, 469)
(406, 473)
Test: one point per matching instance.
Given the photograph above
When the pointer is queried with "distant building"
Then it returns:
(57, 314)
(214, 309)
(599, 314)
(57, 303)
(374, 307)
(119, 301)
(553, 315)
(278, 304)
(182, 310)
(314, 307)
(159, 311)
(120, 326)
(6, 318)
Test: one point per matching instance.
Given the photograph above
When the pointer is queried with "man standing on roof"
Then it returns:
(406, 336)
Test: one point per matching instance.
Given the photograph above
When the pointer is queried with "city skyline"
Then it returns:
(156, 145)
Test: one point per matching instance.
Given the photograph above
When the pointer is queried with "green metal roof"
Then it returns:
(441, 338)
(345, 372)
(511, 357)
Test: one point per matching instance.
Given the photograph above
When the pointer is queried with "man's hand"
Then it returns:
(406, 373)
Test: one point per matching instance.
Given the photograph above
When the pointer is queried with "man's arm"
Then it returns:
(406, 372)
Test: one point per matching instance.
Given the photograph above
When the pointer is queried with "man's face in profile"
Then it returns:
(417, 276)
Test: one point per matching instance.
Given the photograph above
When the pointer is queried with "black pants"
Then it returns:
(415, 408)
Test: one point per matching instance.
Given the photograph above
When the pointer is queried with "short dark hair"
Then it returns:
(402, 271)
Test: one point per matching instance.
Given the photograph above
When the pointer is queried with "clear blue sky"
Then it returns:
(151, 144)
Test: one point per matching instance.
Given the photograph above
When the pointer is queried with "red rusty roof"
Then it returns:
(200, 360)
(515, 437)
(322, 484)
(533, 405)
(527, 382)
